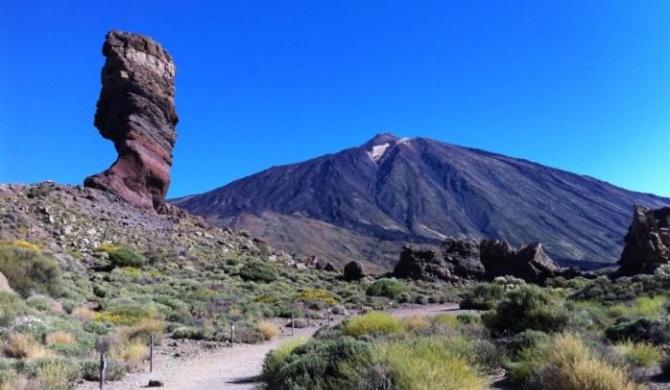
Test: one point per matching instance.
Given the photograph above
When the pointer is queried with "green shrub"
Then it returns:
(427, 365)
(10, 306)
(257, 271)
(275, 358)
(90, 370)
(640, 354)
(125, 257)
(314, 365)
(28, 270)
(639, 330)
(389, 288)
(483, 296)
(529, 307)
(527, 340)
(372, 324)
(54, 373)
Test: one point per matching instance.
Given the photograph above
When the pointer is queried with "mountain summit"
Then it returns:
(365, 202)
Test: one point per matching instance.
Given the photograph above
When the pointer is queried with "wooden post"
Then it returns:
(103, 368)
(328, 317)
(292, 325)
(102, 345)
(232, 335)
(151, 353)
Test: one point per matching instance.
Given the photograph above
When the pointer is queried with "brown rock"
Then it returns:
(457, 260)
(647, 241)
(353, 271)
(4, 284)
(529, 262)
(136, 111)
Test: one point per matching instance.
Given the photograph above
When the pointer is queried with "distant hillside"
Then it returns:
(364, 203)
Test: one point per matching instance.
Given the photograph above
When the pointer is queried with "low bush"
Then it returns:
(90, 370)
(257, 271)
(385, 287)
(268, 329)
(10, 306)
(122, 256)
(316, 295)
(568, 364)
(22, 346)
(55, 373)
(27, 270)
(640, 354)
(483, 296)
(372, 324)
(656, 332)
(527, 340)
(275, 358)
(315, 364)
(529, 307)
(412, 365)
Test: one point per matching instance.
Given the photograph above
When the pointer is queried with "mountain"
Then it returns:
(365, 202)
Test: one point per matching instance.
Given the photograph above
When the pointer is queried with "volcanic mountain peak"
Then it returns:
(365, 202)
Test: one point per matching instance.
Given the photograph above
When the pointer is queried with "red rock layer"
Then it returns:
(136, 111)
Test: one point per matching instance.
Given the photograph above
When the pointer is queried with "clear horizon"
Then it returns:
(582, 87)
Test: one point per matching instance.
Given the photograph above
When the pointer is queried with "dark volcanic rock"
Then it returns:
(353, 271)
(647, 241)
(529, 262)
(136, 111)
(457, 260)
(463, 255)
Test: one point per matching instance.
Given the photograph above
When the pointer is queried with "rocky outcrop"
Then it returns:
(647, 241)
(529, 262)
(468, 259)
(457, 260)
(136, 112)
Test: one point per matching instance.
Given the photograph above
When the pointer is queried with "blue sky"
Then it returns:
(578, 85)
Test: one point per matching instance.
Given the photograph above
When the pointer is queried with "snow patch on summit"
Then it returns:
(378, 151)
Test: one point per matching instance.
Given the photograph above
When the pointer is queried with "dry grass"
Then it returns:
(59, 338)
(22, 346)
(572, 366)
(143, 330)
(83, 313)
(641, 354)
(22, 384)
(268, 329)
(417, 323)
(133, 352)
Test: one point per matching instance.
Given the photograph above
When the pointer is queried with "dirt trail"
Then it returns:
(233, 368)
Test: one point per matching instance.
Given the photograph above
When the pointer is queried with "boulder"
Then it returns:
(647, 242)
(353, 271)
(457, 260)
(463, 255)
(4, 284)
(136, 112)
(528, 262)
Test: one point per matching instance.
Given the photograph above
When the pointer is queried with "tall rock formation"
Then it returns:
(647, 241)
(136, 111)
(528, 262)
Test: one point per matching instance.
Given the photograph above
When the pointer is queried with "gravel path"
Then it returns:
(205, 366)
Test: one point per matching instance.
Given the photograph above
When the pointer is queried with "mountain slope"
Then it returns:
(365, 202)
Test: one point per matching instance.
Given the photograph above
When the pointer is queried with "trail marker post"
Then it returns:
(151, 353)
